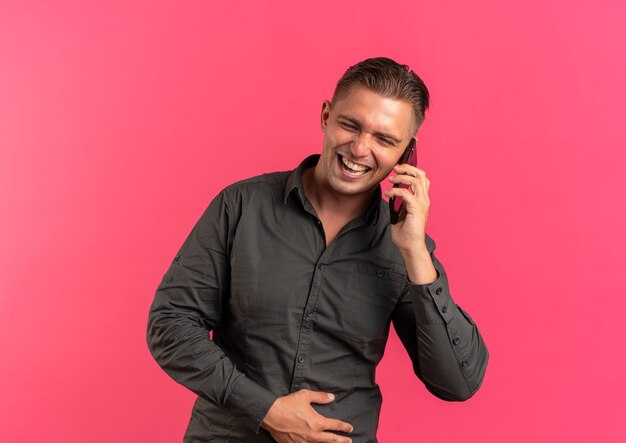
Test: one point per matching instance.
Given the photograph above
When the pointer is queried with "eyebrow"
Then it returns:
(379, 134)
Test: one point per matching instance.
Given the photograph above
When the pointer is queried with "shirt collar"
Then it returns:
(294, 182)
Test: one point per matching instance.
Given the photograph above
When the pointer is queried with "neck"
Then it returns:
(327, 201)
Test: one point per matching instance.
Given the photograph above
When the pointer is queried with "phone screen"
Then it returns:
(395, 203)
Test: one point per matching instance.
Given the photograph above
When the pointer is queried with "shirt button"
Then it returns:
(309, 313)
(380, 273)
(438, 291)
(444, 309)
(318, 222)
(177, 258)
(320, 266)
(465, 363)
(300, 359)
(456, 341)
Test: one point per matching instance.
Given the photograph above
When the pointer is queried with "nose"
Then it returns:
(360, 146)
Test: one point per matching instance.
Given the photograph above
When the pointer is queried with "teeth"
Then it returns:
(353, 166)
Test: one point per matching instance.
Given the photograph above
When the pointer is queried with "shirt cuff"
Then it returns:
(252, 399)
(432, 301)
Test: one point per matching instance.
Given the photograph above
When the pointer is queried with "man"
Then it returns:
(299, 275)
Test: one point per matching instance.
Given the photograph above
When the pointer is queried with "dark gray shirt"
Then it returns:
(288, 312)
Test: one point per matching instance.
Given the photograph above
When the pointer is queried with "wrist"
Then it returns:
(417, 251)
(267, 420)
(419, 266)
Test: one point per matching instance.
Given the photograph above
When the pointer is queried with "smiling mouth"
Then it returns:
(352, 168)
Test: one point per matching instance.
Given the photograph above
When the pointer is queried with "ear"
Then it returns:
(325, 114)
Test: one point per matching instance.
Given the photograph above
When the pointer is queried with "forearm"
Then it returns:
(447, 350)
(419, 265)
(451, 352)
(179, 341)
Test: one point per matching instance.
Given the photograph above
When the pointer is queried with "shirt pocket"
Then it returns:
(373, 291)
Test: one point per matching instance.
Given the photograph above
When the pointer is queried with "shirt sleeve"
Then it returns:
(448, 353)
(189, 303)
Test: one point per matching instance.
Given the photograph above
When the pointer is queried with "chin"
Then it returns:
(346, 189)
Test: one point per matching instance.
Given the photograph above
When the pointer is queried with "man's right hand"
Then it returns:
(292, 419)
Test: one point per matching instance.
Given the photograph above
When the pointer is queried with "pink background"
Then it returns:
(119, 121)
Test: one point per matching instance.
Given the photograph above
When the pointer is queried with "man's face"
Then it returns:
(365, 135)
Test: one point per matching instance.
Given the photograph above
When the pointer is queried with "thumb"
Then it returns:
(321, 397)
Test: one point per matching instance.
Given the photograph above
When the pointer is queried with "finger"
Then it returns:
(400, 192)
(421, 190)
(422, 184)
(332, 424)
(403, 178)
(419, 198)
(417, 191)
(320, 397)
(330, 437)
(419, 183)
(425, 184)
(405, 168)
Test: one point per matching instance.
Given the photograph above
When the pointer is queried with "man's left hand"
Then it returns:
(409, 234)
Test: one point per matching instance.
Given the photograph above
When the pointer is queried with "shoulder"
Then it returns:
(264, 187)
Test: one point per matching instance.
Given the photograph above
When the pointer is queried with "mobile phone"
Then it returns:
(395, 203)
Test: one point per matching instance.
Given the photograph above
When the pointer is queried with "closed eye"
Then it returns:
(348, 126)
(386, 142)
